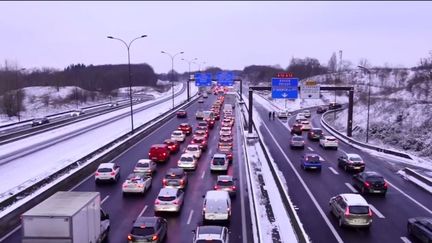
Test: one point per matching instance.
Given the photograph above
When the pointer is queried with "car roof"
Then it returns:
(353, 155)
(316, 129)
(353, 199)
(224, 178)
(187, 155)
(170, 192)
(184, 124)
(311, 155)
(144, 161)
(147, 221)
(175, 171)
(209, 231)
(329, 136)
(106, 165)
(218, 195)
(135, 175)
(192, 145)
(372, 173)
(219, 155)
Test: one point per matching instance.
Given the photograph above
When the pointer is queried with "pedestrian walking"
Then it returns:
(274, 113)
(270, 115)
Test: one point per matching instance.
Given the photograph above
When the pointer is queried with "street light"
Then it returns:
(172, 71)
(368, 106)
(129, 69)
(189, 62)
(18, 98)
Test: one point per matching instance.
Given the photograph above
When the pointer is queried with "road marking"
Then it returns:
(315, 202)
(310, 148)
(10, 233)
(405, 240)
(333, 170)
(378, 213)
(190, 216)
(105, 198)
(409, 197)
(142, 211)
(203, 174)
(351, 187)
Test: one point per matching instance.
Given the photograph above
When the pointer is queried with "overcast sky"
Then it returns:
(229, 35)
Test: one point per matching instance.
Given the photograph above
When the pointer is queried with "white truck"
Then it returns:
(229, 101)
(66, 217)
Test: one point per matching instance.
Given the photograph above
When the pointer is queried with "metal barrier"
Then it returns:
(418, 176)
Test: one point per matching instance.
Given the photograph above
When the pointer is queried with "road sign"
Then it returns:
(284, 88)
(309, 89)
(225, 78)
(203, 79)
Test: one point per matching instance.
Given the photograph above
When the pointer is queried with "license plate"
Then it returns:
(376, 190)
(313, 167)
(357, 168)
(359, 221)
(154, 158)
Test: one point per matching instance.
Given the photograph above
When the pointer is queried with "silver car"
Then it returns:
(169, 200)
(146, 166)
(351, 210)
(297, 142)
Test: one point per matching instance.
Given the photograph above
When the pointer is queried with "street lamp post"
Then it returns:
(368, 105)
(172, 71)
(129, 70)
(189, 73)
(17, 96)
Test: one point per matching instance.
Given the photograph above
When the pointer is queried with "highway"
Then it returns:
(123, 210)
(311, 191)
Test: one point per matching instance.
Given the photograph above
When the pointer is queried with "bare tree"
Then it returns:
(332, 64)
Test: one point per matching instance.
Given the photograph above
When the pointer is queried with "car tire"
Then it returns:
(340, 222)
(345, 168)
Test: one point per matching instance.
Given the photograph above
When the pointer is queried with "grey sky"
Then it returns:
(230, 35)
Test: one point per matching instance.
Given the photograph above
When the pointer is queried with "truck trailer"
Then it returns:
(66, 217)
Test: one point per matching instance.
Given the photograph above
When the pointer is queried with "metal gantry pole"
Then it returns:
(172, 72)
(250, 111)
(368, 109)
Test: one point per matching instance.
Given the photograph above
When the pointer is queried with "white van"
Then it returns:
(216, 206)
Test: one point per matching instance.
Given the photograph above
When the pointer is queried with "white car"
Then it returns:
(178, 136)
(146, 166)
(306, 126)
(219, 162)
(136, 183)
(211, 233)
(216, 206)
(77, 113)
(283, 114)
(225, 131)
(300, 116)
(307, 113)
(193, 149)
(107, 172)
(187, 161)
(199, 115)
(169, 200)
(328, 142)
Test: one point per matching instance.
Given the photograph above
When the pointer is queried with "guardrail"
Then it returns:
(88, 164)
(289, 207)
(418, 176)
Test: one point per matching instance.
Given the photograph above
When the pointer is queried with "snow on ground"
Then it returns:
(48, 160)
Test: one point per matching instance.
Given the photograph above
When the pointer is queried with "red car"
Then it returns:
(181, 113)
(201, 141)
(185, 128)
(159, 152)
(211, 123)
(173, 145)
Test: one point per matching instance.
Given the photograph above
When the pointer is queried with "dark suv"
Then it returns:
(40, 121)
(333, 106)
(370, 182)
(297, 129)
(175, 178)
(148, 229)
(315, 133)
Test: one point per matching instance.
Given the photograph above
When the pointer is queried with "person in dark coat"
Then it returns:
(270, 113)
(274, 114)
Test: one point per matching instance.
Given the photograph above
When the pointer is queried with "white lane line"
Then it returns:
(310, 148)
(203, 174)
(351, 187)
(405, 240)
(10, 233)
(376, 212)
(315, 202)
(333, 170)
(409, 197)
(105, 198)
(190, 216)
(142, 211)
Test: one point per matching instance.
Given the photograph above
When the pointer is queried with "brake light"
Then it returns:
(370, 213)
(176, 202)
(97, 173)
(149, 154)
(140, 186)
(164, 181)
(216, 187)
(130, 238)
(155, 237)
(157, 202)
(347, 213)
(181, 182)
(385, 185)
(203, 142)
(164, 154)
(366, 184)
(233, 187)
(112, 173)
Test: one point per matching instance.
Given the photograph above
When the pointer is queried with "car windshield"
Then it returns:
(297, 139)
(218, 161)
(225, 183)
(104, 170)
(192, 148)
(166, 198)
(317, 131)
(374, 179)
(187, 159)
(312, 158)
(173, 176)
(331, 139)
(142, 231)
(177, 133)
(143, 165)
(357, 159)
(359, 209)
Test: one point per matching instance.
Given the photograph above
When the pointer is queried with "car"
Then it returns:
(186, 128)
(148, 229)
(310, 161)
(107, 172)
(297, 142)
(199, 115)
(306, 126)
(334, 106)
(209, 118)
(328, 142)
(136, 183)
(201, 133)
(113, 104)
(300, 117)
(40, 121)
(187, 161)
(314, 133)
(145, 166)
(226, 122)
(202, 124)
(201, 141)
(351, 210)
(77, 113)
(226, 142)
(159, 152)
(283, 114)
(193, 149)
(420, 228)
(178, 135)
(297, 129)
(225, 183)
(181, 114)
(216, 206)
(370, 182)
(227, 151)
(211, 233)
(205, 95)
(173, 145)
(175, 178)
(204, 128)
(219, 162)
(200, 100)
(169, 200)
(225, 131)
(321, 109)
(351, 162)
(307, 113)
